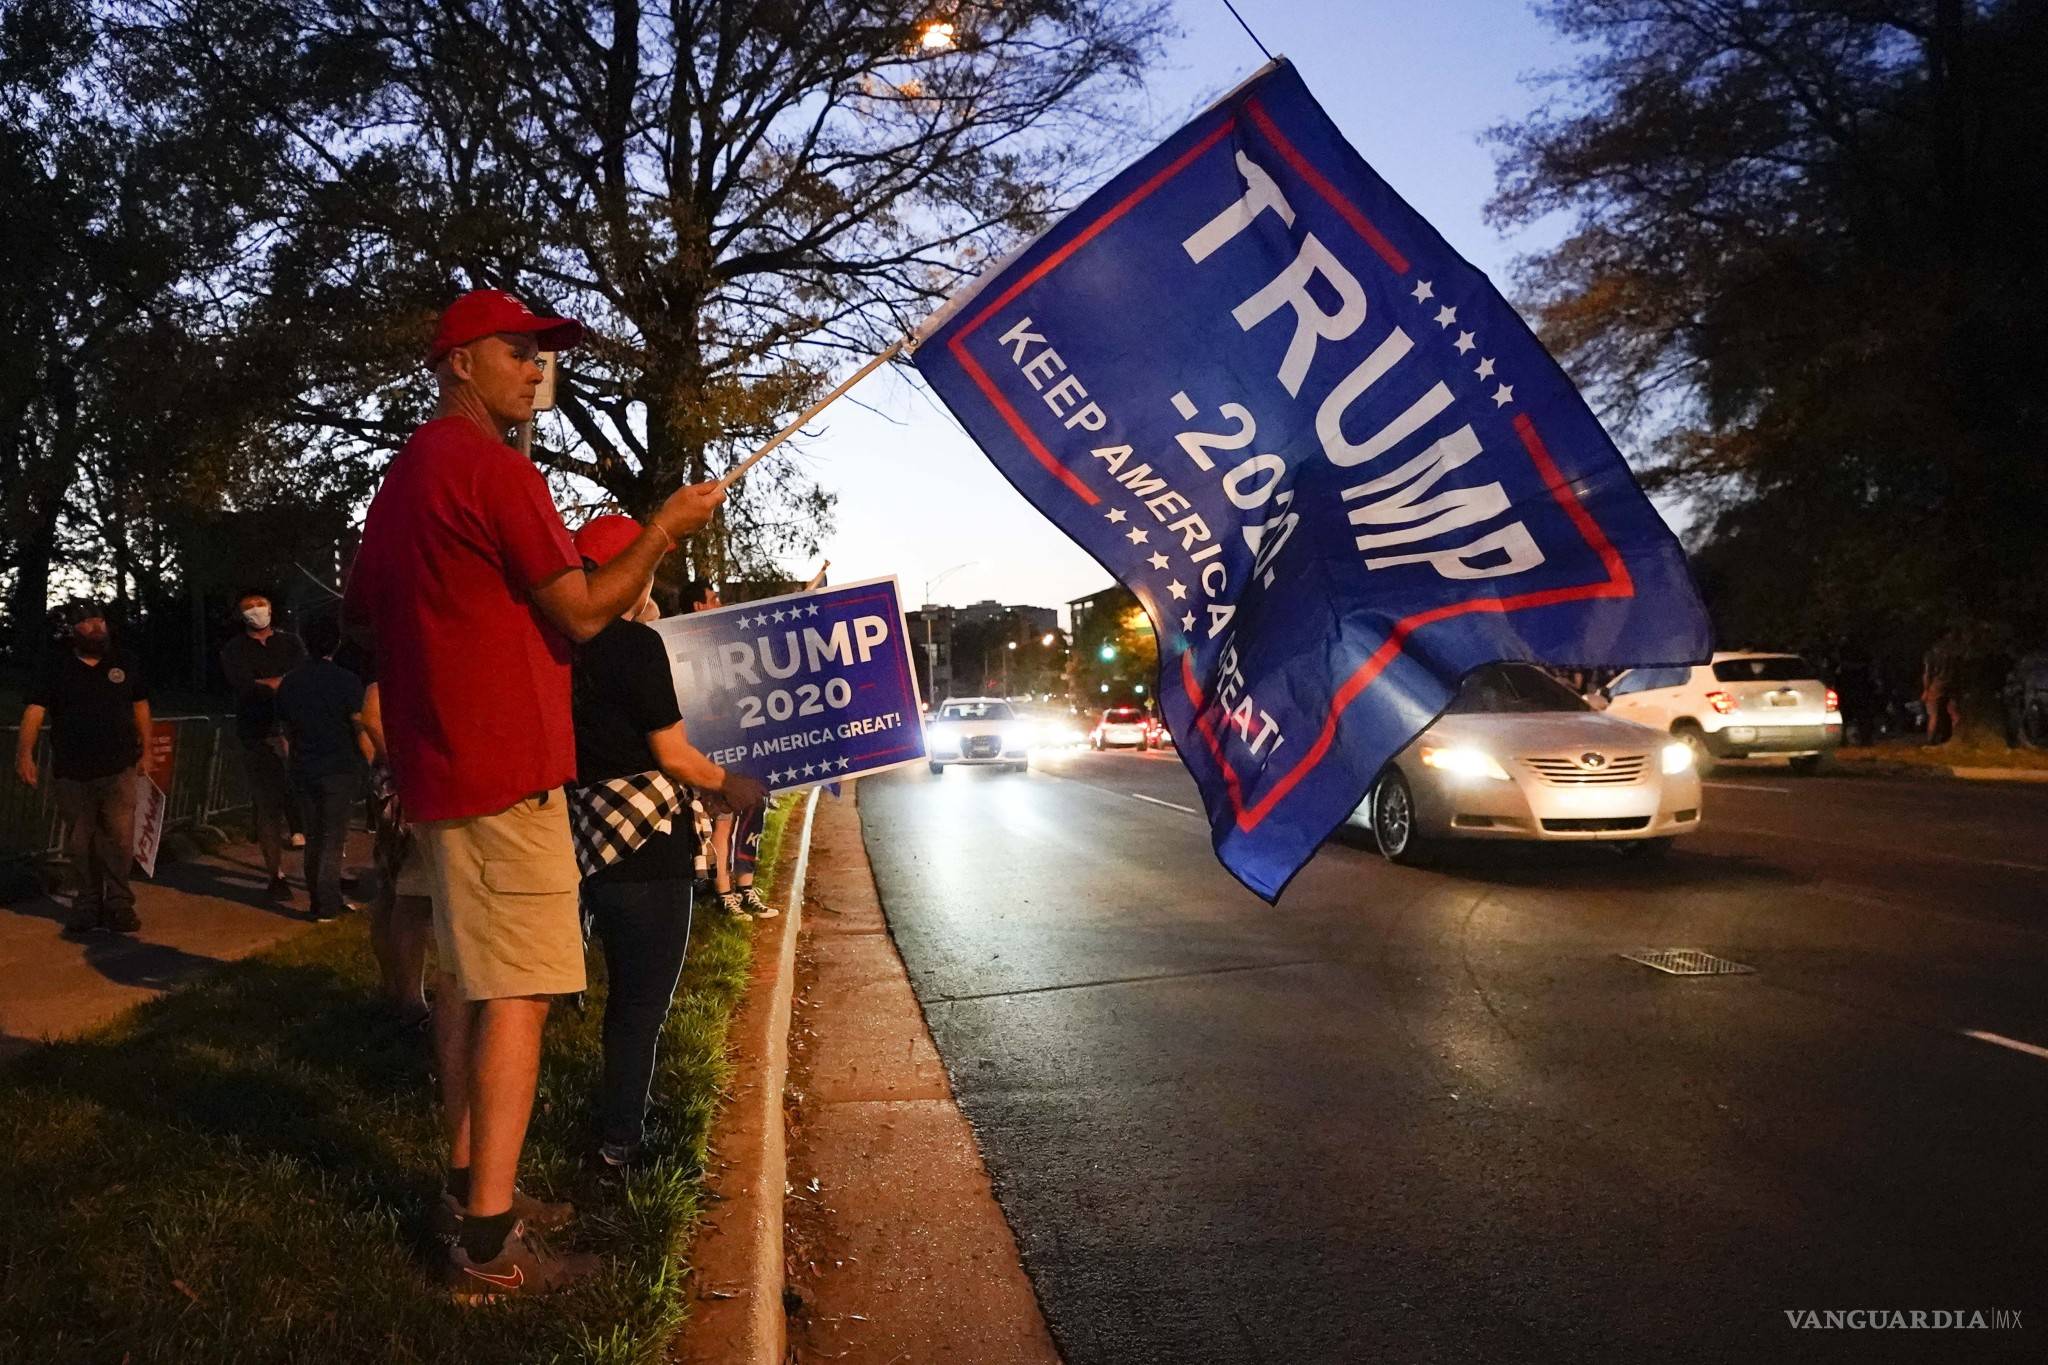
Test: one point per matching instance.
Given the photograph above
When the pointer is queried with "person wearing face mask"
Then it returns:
(254, 663)
(470, 591)
(97, 703)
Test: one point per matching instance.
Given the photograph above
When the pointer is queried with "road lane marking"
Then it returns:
(2002, 1041)
(1881, 848)
(1749, 787)
(1170, 805)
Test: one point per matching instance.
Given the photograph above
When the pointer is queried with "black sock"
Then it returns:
(458, 1183)
(483, 1238)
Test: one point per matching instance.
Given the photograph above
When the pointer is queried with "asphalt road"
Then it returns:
(1416, 1115)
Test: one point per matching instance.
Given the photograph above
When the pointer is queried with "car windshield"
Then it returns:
(1514, 688)
(1123, 717)
(975, 710)
(1767, 668)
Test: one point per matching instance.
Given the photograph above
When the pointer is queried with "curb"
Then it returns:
(736, 1310)
(1878, 767)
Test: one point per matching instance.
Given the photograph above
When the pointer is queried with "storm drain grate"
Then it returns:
(1687, 962)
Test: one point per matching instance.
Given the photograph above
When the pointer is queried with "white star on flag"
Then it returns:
(778, 616)
(1465, 342)
(1158, 561)
(1177, 588)
(844, 764)
(1135, 535)
(1423, 293)
(813, 611)
(1446, 315)
(1187, 622)
(808, 770)
(762, 619)
(1485, 370)
(1115, 514)
(1502, 396)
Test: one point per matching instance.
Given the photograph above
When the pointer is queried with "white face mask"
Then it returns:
(258, 618)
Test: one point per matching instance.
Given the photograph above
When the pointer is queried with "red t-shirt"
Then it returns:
(474, 681)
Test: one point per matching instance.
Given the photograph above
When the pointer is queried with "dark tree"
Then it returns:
(1804, 274)
(736, 194)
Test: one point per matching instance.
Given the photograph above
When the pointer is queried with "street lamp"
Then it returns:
(931, 651)
(1107, 653)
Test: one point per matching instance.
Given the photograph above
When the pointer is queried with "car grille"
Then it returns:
(1618, 771)
(1609, 825)
(981, 746)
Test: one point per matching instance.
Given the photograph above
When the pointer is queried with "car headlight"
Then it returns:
(946, 738)
(1464, 763)
(1677, 758)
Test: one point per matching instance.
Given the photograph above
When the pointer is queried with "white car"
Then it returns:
(1736, 706)
(1518, 755)
(984, 731)
(1123, 727)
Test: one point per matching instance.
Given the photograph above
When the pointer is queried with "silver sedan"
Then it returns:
(1518, 755)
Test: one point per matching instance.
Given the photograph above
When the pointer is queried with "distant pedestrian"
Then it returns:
(255, 662)
(473, 594)
(320, 706)
(97, 703)
(1938, 694)
(635, 840)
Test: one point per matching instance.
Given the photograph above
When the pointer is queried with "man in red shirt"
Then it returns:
(470, 589)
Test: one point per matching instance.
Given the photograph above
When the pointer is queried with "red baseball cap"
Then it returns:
(600, 539)
(486, 312)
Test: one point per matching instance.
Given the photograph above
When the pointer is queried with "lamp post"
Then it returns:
(931, 651)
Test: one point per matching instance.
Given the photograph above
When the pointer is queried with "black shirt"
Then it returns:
(317, 702)
(92, 713)
(244, 660)
(622, 689)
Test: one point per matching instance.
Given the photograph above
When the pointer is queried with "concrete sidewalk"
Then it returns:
(195, 913)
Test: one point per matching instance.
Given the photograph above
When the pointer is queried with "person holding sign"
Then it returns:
(635, 840)
(472, 594)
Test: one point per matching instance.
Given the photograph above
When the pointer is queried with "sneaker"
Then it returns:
(280, 889)
(611, 1161)
(755, 906)
(522, 1266)
(444, 1215)
(730, 902)
(123, 920)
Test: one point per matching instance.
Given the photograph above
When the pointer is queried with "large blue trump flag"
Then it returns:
(1330, 460)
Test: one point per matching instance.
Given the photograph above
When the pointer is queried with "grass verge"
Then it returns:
(1961, 753)
(239, 1171)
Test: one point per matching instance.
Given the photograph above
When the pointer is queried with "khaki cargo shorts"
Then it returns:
(506, 917)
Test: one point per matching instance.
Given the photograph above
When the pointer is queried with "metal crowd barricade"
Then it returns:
(206, 782)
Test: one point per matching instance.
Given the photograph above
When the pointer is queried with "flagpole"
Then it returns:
(732, 475)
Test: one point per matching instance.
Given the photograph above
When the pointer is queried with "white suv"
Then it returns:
(1736, 706)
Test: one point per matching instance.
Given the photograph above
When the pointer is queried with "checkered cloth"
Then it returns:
(612, 818)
